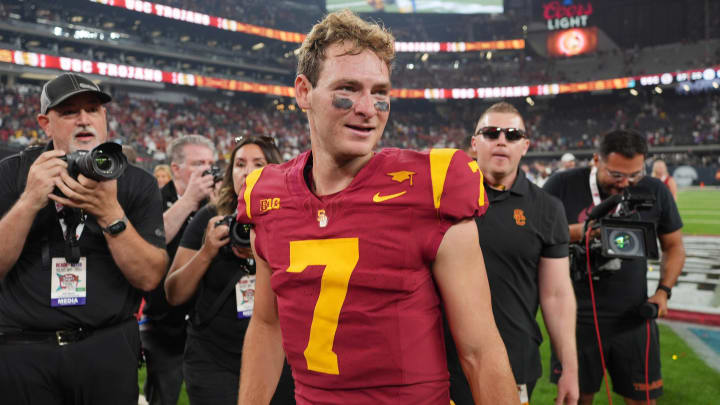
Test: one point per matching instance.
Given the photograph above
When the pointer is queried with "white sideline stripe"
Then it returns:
(705, 353)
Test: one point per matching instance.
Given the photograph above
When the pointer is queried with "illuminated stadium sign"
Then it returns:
(572, 42)
(193, 17)
(418, 6)
(44, 61)
(566, 14)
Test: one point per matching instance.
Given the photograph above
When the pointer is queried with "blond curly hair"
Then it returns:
(343, 27)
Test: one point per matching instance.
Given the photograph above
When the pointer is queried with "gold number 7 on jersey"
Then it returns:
(339, 256)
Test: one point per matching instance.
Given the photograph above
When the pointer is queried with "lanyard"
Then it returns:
(594, 187)
(595, 191)
(71, 231)
(78, 228)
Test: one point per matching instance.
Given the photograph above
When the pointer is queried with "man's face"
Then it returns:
(617, 172)
(77, 123)
(349, 106)
(197, 158)
(499, 157)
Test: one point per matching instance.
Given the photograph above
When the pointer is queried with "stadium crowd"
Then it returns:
(566, 123)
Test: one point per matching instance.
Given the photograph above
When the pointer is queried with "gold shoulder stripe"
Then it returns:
(439, 164)
(475, 168)
(481, 197)
(250, 182)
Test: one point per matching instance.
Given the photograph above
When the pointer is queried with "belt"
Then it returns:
(60, 337)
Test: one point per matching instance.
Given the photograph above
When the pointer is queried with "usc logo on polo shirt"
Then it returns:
(519, 217)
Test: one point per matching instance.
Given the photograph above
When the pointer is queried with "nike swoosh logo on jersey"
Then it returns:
(380, 198)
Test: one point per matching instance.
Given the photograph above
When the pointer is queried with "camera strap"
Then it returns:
(72, 222)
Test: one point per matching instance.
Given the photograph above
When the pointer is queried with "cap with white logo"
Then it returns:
(65, 86)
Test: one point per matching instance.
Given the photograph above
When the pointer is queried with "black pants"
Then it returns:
(100, 369)
(211, 381)
(163, 348)
(624, 352)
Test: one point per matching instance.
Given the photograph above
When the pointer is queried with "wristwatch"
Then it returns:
(116, 226)
(667, 290)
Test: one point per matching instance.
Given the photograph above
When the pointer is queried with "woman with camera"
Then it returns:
(220, 277)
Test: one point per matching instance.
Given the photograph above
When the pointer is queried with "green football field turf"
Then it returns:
(686, 378)
(700, 211)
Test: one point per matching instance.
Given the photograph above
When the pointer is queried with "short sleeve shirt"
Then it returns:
(358, 307)
(25, 290)
(620, 294)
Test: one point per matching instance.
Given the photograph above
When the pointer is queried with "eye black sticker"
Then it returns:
(382, 106)
(342, 103)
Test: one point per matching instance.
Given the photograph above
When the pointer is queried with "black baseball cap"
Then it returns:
(65, 86)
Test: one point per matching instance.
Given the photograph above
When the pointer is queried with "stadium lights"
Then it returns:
(530, 101)
(410, 66)
(634, 92)
(258, 46)
(489, 55)
(686, 87)
(424, 57)
(716, 85)
(184, 38)
(658, 90)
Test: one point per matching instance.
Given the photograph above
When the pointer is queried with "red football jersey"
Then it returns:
(359, 311)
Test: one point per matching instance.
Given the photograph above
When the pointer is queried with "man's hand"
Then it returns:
(97, 198)
(660, 299)
(44, 174)
(215, 237)
(243, 253)
(568, 392)
(199, 188)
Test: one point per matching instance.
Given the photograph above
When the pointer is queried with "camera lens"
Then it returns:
(103, 162)
(625, 242)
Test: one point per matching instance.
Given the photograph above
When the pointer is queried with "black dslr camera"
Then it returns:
(621, 236)
(239, 233)
(104, 162)
(216, 173)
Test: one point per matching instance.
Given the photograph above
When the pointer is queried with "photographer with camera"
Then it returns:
(214, 263)
(162, 327)
(80, 237)
(628, 207)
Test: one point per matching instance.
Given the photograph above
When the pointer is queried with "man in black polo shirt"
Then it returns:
(524, 239)
(163, 326)
(619, 164)
(67, 331)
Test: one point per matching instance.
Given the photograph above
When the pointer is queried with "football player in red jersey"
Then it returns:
(352, 248)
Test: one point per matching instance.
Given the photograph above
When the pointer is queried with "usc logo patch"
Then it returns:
(519, 217)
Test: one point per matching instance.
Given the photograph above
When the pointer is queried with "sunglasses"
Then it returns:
(493, 133)
(262, 138)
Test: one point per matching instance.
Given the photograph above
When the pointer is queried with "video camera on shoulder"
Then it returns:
(216, 173)
(621, 236)
(104, 162)
(239, 233)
